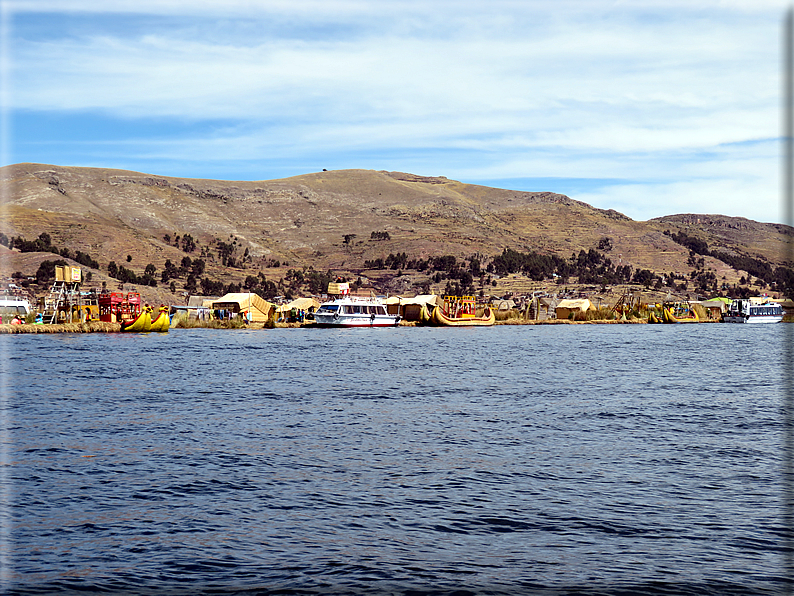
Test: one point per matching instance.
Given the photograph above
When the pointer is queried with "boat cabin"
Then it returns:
(353, 309)
(459, 307)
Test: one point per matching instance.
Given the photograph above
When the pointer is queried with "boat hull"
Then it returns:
(356, 321)
(439, 319)
(755, 320)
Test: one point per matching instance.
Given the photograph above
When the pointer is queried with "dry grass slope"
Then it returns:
(325, 220)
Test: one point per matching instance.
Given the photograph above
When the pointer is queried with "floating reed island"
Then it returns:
(91, 327)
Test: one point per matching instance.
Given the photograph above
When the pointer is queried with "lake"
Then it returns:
(559, 459)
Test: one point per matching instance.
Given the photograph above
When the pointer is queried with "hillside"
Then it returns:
(338, 221)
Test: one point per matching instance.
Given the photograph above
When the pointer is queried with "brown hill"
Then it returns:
(326, 220)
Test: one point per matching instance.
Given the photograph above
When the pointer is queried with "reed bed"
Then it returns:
(185, 322)
(518, 321)
(596, 316)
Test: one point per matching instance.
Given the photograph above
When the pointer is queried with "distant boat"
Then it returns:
(460, 311)
(679, 312)
(760, 310)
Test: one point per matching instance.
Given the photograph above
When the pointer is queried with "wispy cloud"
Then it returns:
(671, 98)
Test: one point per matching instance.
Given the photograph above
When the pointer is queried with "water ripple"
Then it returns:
(542, 460)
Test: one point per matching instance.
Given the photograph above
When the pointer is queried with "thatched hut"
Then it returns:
(255, 308)
(409, 308)
(715, 307)
(300, 307)
(568, 306)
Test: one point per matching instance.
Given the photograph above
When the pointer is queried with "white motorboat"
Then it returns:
(354, 312)
(753, 310)
(14, 305)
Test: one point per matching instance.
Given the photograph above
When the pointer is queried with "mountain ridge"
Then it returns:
(342, 219)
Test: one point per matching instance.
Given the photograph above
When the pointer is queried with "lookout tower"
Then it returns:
(64, 295)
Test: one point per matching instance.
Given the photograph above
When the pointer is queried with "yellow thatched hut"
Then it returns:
(300, 306)
(568, 306)
(715, 307)
(409, 308)
(253, 306)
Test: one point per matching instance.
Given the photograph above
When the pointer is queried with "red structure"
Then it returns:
(117, 306)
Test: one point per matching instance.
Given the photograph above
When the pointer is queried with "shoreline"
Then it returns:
(101, 327)
(92, 327)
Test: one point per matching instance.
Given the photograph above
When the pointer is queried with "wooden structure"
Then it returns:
(65, 303)
(118, 307)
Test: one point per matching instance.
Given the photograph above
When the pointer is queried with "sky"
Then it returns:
(647, 107)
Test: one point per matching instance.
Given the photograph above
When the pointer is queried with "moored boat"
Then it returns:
(162, 322)
(460, 311)
(679, 312)
(753, 310)
(140, 324)
(13, 305)
(351, 311)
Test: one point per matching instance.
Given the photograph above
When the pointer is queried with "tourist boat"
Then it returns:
(140, 324)
(758, 310)
(14, 305)
(162, 322)
(460, 311)
(679, 312)
(350, 311)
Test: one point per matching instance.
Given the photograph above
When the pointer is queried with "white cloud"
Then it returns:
(757, 199)
(491, 90)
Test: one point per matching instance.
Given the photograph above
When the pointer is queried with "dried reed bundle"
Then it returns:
(92, 327)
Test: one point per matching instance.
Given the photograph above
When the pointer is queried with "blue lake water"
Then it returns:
(587, 459)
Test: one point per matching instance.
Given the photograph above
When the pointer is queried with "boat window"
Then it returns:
(328, 308)
(381, 310)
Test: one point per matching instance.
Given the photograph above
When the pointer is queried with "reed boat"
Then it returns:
(459, 311)
(679, 312)
(140, 324)
(162, 322)
(424, 316)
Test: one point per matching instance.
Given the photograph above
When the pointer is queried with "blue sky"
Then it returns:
(647, 107)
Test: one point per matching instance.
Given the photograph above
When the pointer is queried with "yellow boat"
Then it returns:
(141, 323)
(162, 322)
(679, 312)
(424, 316)
(655, 314)
(460, 312)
